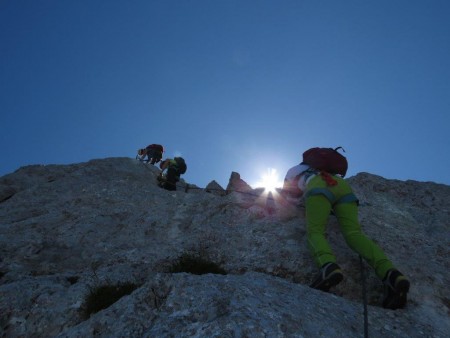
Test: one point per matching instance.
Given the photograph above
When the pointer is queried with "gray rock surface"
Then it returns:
(65, 230)
(236, 183)
(215, 188)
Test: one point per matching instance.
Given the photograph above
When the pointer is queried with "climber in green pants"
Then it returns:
(324, 193)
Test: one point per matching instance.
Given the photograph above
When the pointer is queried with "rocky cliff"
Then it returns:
(98, 249)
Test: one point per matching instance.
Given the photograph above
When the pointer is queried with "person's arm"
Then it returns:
(291, 188)
(164, 164)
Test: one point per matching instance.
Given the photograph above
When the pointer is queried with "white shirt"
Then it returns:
(296, 171)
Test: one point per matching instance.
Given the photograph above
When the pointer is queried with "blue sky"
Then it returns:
(229, 85)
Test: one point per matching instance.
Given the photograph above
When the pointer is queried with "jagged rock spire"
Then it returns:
(236, 183)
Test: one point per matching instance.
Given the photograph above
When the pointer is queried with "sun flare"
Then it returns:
(269, 181)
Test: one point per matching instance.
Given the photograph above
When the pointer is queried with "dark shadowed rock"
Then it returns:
(6, 192)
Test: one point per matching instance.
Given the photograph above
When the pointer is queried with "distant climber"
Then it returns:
(325, 192)
(153, 152)
(171, 169)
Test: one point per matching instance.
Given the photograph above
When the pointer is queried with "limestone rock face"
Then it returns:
(215, 188)
(236, 183)
(66, 230)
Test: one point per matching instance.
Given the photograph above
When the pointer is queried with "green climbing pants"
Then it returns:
(320, 199)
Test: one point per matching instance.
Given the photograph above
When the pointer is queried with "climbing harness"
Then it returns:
(330, 196)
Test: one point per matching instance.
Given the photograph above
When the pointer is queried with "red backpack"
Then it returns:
(326, 159)
(157, 147)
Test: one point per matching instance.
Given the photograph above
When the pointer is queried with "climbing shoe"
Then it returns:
(329, 275)
(396, 288)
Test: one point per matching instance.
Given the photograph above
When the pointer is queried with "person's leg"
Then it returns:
(171, 176)
(396, 284)
(347, 215)
(317, 211)
(157, 156)
(150, 156)
(146, 156)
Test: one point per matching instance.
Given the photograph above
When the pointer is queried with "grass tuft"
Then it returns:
(197, 265)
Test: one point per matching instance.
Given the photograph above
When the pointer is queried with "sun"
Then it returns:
(269, 181)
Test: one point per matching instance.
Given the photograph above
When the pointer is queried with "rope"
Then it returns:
(364, 295)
